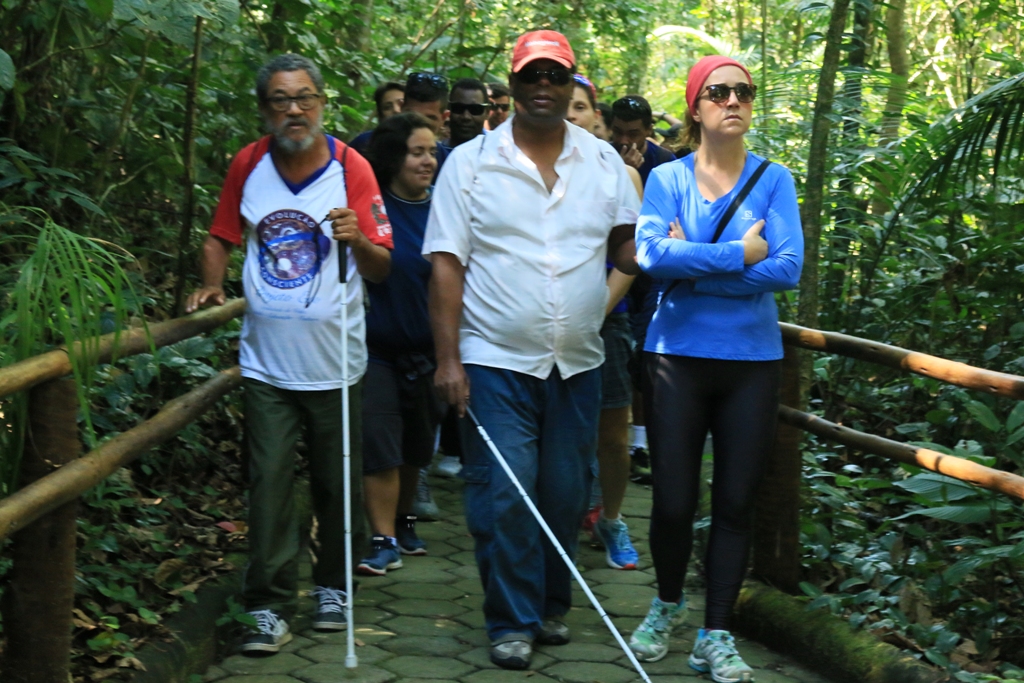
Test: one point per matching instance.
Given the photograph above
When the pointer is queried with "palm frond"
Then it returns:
(971, 147)
(70, 289)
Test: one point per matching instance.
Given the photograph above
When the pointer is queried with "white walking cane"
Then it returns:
(351, 661)
(558, 546)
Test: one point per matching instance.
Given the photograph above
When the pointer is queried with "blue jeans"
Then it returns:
(546, 429)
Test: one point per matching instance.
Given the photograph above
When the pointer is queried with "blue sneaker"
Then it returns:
(383, 556)
(715, 653)
(618, 550)
(405, 533)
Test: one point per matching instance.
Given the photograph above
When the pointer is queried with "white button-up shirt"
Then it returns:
(535, 260)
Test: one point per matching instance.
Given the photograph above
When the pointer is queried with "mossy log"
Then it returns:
(824, 642)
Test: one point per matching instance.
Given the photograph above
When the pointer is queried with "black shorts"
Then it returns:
(401, 414)
(616, 387)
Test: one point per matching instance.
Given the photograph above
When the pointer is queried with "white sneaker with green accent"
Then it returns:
(715, 653)
(649, 641)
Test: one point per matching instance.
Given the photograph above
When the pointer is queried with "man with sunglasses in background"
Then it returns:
(497, 93)
(632, 124)
(521, 223)
(467, 111)
(280, 200)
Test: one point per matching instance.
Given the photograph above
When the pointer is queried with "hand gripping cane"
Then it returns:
(351, 661)
(558, 546)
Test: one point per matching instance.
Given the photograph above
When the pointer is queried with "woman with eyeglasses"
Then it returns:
(400, 410)
(713, 350)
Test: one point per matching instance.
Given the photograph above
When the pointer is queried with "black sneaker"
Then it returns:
(405, 532)
(269, 634)
(330, 611)
(639, 465)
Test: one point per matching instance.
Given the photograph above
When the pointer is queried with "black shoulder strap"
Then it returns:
(744, 191)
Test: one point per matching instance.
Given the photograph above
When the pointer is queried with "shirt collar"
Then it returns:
(571, 143)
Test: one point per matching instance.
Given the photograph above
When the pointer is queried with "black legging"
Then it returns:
(685, 397)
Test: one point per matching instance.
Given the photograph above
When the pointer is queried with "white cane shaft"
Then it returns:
(561, 551)
(351, 661)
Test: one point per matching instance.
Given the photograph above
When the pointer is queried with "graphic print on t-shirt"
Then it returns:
(292, 247)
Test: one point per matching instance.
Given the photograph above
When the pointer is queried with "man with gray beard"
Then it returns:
(275, 197)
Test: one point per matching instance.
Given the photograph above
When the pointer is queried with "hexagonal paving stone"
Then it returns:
(335, 654)
(465, 557)
(472, 602)
(297, 643)
(437, 548)
(583, 652)
(677, 678)
(416, 607)
(275, 678)
(769, 676)
(427, 667)
(626, 607)
(371, 597)
(675, 662)
(434, 531)
(473, 619)
(365, 633)
(634, 593)
(281, 663)
(426, 591)
(425, 646)
(608, 575)
(425, 574)
(481, 658)
(463, 542)
(333, 673)
(470, 586)
(588, 672)
(466, 572)
(424, 626)
(504, 676)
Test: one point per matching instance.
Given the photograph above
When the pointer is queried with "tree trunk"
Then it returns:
(38, 601)
(188, 178)
(122, 124)
(846, 216)
(358, 30)
(814, 188)
(777, 509)
(896, 98)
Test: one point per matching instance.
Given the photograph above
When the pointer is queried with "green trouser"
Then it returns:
(273, 421)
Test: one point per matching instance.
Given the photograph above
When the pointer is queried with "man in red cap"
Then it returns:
(520, 226)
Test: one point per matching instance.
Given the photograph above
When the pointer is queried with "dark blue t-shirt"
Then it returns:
(654, 155)
(397, 320)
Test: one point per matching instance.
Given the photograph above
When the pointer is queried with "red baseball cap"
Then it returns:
(542, 45)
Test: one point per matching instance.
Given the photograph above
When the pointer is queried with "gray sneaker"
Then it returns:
(553, 632)
(423, 506)
(715, 653)
(511, 652)
(649, 641)
(269, 634)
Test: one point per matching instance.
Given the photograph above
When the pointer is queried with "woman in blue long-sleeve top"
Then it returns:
(713, 351)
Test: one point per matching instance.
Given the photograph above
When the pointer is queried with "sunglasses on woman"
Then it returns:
(719, 92)
(557, 76)
(473, 108)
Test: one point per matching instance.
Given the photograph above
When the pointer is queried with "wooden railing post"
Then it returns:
(777, 509)
(38, 601)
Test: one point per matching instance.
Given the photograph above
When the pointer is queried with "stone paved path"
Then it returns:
(424, 623)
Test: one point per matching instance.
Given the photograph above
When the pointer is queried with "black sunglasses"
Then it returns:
(474, 109)
(557, 76)
(499, 107)
(284, 103)
(719, 92)
(425, 77)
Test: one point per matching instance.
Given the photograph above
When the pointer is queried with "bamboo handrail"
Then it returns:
(949, 465)
(63, 485)
(53, 364)
(953, 372)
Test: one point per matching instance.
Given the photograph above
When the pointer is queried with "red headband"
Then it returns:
(699, 73)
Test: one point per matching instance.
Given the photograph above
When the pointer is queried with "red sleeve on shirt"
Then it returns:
(227, 220)
(364, 196)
